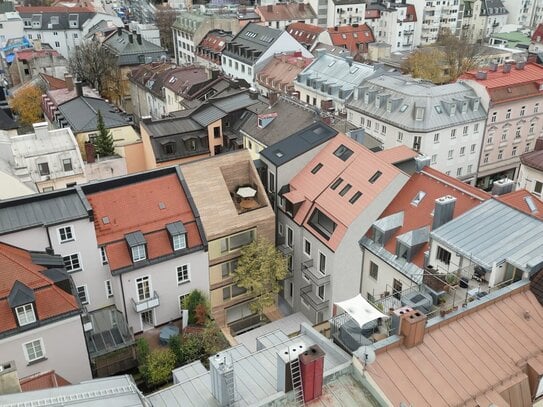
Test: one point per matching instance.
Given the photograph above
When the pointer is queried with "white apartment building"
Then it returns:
(395, 25)
(345, 12)
(435, 15)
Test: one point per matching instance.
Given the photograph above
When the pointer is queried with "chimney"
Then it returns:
(272, 98)
(336, 28)
(214, 73)
(119, 31)
(502, 186)
(493, 67)
(422, 161)
(520, 65)
(443, 211)
(396, 319)
(412, 328)
(539, 144)
(90, 152)
(49, 251)
(284, 357)
(253, 93)
(506, 67)
(349, 60)
(312, 371)
(131, 38)
(221, 370)
(301, 6)
(138, 39)
(480, 75)
(9, 379)
(79, 88)
(41, 130)
(69, 79)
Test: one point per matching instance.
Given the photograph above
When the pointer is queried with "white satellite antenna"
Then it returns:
(366, 355)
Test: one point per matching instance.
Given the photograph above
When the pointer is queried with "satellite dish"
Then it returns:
(366, 354)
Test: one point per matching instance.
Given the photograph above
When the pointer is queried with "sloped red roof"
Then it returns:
(53, 9)
(517, 199)
(533, 159)
(30, 54)
(52, 82)
(305, 34)
(354, 37)
(411, 14)
(281, 70)
(285, 11)
(146, 206)
(16, 265)
(215, 41)
(43, 380)
(397, 154)
(537, 36)
(435, 185)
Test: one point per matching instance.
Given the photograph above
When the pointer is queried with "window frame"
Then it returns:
(103, 255)
(41, 350)
(69, 162)
(109, 288)
(184, 269)
(143, 279)
(41, 172)
(85, 292)
(443, 255)
(25, 312)
(322, 264)
(70, 256)
(68, 230)
(175, 242)
(137, 250)
(307, 245)
(374, 271)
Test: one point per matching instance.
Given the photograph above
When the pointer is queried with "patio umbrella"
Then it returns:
(246, 192)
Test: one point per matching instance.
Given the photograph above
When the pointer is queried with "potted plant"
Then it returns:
(452, 279)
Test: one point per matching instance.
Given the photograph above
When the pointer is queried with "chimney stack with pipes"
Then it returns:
(422, 161)
(412, 328)
(78, 88)
(9, 379)
(443, 211)
(221, 370)
(312, 370)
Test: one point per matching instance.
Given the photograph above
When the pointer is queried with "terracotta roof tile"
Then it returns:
(306, 34)
(119, 206)
(52, 82)
(397, 154)
(53, 9)
(285, 11)
(518, 200)
(45, 380)
(355, 38)
(280, 72)
(533, 159)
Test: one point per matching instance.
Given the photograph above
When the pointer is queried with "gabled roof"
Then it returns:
(30, 54)
(286, 11)
(254, 40)
(398, 154)
(132, 49)
(305, 34)
(158, 200)
(533, 159)
(53, 83)
(322, 180)
(22, 276)
(42, 380)
(494, 232)
(537, 36)
(352, 37)
(215, 41)
(493, 8)
(281, 70)
(81, 114)
(57, 17)
(416, 203)
(524, 201)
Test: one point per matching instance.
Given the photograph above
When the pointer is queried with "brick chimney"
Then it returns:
(312, 371)
(78, 88)
(412, 328)
(89, 152)
(9, 379)
(69, 81)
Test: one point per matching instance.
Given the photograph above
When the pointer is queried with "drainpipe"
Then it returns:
(124, 301)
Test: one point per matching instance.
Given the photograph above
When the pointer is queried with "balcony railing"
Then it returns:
(314, 301)
(313, 274)
(147, 304)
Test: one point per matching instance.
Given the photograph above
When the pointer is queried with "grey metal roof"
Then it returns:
(135, 239)
(389, 222)
(57, 19)
(131, 52)
(298, 143)
(235, 102)
(40, 210)
(208, 115)
(45, 259)
(255, 375)
(400, 96)
(494, 232)
(168, 127)
(20, 294)
(253, 37)
(118, 391)
(176, 228)
(415, 237)
(6, 122)
(81, 114)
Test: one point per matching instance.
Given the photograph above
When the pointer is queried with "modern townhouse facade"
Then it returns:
(252, 47)
(511, 94)
(40, 311)
(280, 15)
(395, 249)
(530, 176)
(482, 18)
(63, 28)
(526, 13)
(435, 15)
(341, 12)
(445, 122)
(393, 23)
(329, 80)
(229, 224)
(339, 193)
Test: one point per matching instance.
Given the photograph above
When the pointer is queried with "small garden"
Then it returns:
(201, 339)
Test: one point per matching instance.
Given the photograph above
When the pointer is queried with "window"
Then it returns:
(443, 255)
(345, 189)
(227, 268)
(307, 247)
(453, 134)
(489, 140)
(416, 143)
(234, 242)
(304, 303)
(508, 114)
(476, 128)
(103, 255)
(531, 129)
(470, 169)
(436, 138)
(536, 108)
(138, 253)
(450, 154)
(343, 152)
(472, 148)
(67, 164)
(465, 131)
(289, 237)
(25, 314)
(34, 350)
(280, 229)
(522, 110)
(82, 294)
(434, 158)
(179, 241)
(320, 292)
(374, 270)
(183, 274)
(109, 290)
(368, 123)
(65, 234)
(527, 148)
(43, 169)
(400, 136)
(57, 44)
(500, 154)
(232, 291)
(316, 168)
(322, 224)
(169, 148)
(217, 132)
(514, 151)
(504, 136)
(538, 188)
(459, 172)
(383, 129)
(322, 263)
(71, 262)
(143, 286)
(271, 182)
(375, 177)
(182, 301)
(355, 197)
(462, 151)
(336, 183)
(494, 117)
(486, 157)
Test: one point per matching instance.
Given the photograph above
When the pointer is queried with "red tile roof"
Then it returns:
(537, 36)
(137, 207)
(435, 185)
(285, 11)
(354, 37)
(42, 380)
(52, 82)
(397, 154)
(305, 34)
(279, 73)
(513, 85)
(371, 13)
(518, 200)
(356, 170)
(411, 14)
(16, 265)
(30, 54)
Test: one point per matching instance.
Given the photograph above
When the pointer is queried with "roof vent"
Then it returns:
(443, 211)
(480, 75)
(520, 65)
(507, 67)
(162, 205)
(105, 220)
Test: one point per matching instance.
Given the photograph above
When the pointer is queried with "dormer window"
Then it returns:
(25, 314)
(178, 235)
(137, 244)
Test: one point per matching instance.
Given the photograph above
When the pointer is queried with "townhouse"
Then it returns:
(530, 174)
(528, 15)
(252, 47)
(278, 74)
(436, 15)
(446, 122)
(341, 12)
(307, 34)
(280, 15)
(12, 26)
(393, 23)
(511, 94)
(322, 211)
(229, 224)
(395, 249)
(209, 49)
(28, 63)
(330, 80)
(39, 312)
(482, 18)
(44, 160)
(354, 38)
(63, 28)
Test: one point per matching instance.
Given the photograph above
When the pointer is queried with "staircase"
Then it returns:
(297, 385)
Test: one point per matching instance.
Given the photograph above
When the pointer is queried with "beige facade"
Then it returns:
(121, 136)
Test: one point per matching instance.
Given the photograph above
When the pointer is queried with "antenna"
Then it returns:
(366, 354)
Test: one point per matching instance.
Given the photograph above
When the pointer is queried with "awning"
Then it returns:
(294, 196)
(360, 310)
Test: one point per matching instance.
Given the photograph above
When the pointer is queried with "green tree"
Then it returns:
(197, 305)
(260, 269)
(142, 352)
(104, 140)
(459, 54)
(158, 366)
(174, 343)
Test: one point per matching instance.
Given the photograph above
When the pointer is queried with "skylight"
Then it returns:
(278, 153)
(354, 69)
(531, 204)
(375, 177)
(418, 198)
(345, 189)
(316, 168)
(336, 183)
(403, 108)
(355, 197)
(438, 109)
(343, 152)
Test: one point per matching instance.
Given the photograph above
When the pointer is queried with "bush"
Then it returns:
(198, 307)
(142, 352)
(158, 367)
(175, 346)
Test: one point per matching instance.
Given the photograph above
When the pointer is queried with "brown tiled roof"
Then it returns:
(52, 82)
(138, 207)
(305, 34)
(411, 14)
(43, 380)
(469, 360)
(50, 301)
(533, 159)
(285, 12)
(517, 200)
(281, 70)
(215, 40)
(354, 37)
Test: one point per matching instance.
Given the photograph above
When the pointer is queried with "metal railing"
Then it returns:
(146, 304)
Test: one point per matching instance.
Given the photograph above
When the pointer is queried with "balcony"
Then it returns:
(314, 301)
(285, 249)
(147, 304)
(313, 274)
